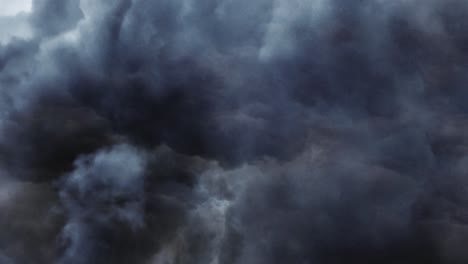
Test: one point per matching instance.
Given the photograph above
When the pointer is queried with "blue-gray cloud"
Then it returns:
(272, 131)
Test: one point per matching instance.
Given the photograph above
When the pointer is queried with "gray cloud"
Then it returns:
(103, 189)
(303, 131)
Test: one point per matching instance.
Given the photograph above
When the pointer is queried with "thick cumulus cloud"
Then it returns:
(267, 131)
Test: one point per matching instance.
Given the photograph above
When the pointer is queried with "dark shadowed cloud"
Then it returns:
(228, 132)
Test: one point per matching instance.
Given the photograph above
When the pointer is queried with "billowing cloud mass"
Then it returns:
(234, 132)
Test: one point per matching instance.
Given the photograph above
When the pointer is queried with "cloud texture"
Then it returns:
(229, 132)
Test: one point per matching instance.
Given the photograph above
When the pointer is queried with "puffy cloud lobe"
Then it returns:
(52, 17)
(104, 189)
(302, 131)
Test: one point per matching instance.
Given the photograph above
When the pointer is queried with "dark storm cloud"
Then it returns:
(303, 131)
(52, 17)
(102, 189)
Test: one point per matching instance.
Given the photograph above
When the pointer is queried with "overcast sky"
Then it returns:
(13, 7)
(233, 132)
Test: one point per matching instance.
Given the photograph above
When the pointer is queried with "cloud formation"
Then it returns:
(267, 131)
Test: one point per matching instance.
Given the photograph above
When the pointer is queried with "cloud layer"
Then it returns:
(253, 132)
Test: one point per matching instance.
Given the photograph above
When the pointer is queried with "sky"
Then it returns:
(233, 132)
(10, 8)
